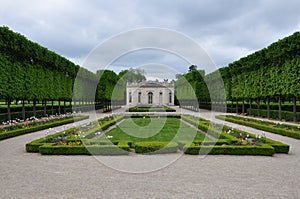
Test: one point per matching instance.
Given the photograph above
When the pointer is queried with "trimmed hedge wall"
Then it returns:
(18, 132)
(265, 150)
(155, 147)
(274, 114)
(49, 149)
(108, 150)
(262, 127)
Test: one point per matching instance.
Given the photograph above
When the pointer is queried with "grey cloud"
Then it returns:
(226, 29)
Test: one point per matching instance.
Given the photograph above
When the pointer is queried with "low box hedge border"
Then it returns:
(155, 147)
(205, 126)
(50, 149)
(152, 116)
(33, 147)
(32, 129)
(264, 150)
(261, 127)
(152, 109)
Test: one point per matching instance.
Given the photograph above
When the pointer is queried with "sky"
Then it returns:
(225, 30)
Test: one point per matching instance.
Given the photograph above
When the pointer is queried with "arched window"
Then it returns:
(160, 98)
(139, 97)
(130, 97)
(170, 97)
(150, 98)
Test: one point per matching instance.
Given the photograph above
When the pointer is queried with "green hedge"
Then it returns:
(153, 116)
(229, 150)
(271, 129)
(274, 114)
(152, 109)
(155, 147)
(124, 146)
(39, 127)
(108, 150)
(33, 147)
(49, 149)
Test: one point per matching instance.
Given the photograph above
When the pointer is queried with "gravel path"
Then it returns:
(26, 175)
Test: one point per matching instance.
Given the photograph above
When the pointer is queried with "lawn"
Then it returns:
(154, 129)
(151, 109)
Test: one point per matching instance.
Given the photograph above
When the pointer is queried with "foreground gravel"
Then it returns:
(27, 175)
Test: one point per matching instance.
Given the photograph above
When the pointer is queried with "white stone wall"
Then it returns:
(163, 99)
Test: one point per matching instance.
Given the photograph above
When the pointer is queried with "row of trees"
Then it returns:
(30, 72)
(270, 74)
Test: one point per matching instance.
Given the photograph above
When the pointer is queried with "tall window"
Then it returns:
(139, 97)
(170, 97)
(160, 98)
(150, 98)
(130, 97)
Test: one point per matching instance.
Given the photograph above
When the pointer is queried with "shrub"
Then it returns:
(107, 150)
(124, 145)
(230, 150)
(155, 147)
(50, 149)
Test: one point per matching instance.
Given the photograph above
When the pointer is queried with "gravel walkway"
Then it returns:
(26, 175)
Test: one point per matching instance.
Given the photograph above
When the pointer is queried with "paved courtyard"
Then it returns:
(29, 175)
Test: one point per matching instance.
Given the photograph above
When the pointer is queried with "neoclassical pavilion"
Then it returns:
(150, 93)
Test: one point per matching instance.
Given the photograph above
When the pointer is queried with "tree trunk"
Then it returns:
(65, 107)
(279, 108)
(8, 109)
(250, 107)
(294, 109)
(34, 107)
(243, 106)
(23, 110)
(52, 111)
(268, 108)
(45, 107)
(59, 107)
(237, 107)
(258, 107)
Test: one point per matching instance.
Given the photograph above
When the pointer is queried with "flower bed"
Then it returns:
(63, 142)
(17, 127)
(277, 128)
(89, 139)
(236, 137)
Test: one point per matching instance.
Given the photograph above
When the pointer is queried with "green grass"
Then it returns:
(151, 109)
(154, 129)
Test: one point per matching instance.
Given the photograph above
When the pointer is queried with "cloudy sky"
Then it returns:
(225, 29)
